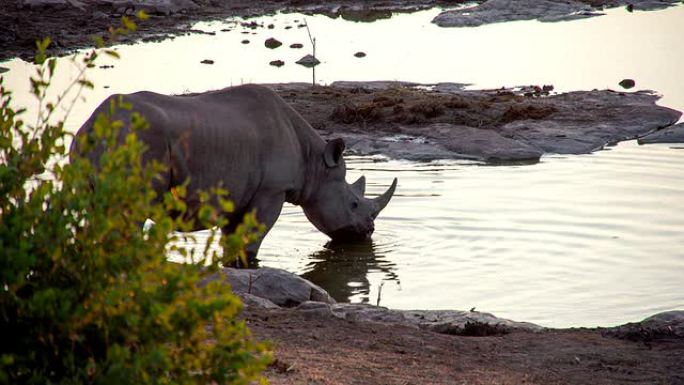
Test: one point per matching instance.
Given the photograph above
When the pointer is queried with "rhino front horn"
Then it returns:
(383, 199)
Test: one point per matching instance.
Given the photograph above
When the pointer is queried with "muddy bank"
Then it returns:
(71, 23)
(323, 342)
(442, 121)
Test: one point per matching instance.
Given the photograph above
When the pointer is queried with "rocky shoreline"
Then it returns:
(271, 288)
(424, 122)
(319, 341)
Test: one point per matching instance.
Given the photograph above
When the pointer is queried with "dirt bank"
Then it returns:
(319, 341)
(320, 349)
(71, 23)
(425, 122)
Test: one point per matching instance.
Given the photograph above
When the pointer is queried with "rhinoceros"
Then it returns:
(250, 141)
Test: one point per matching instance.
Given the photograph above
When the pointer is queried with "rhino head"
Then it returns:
(337, 208)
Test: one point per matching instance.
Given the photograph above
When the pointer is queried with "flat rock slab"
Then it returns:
(426, 122)
(497, 11)
(441, 321)
(672, 134)
(276, 286)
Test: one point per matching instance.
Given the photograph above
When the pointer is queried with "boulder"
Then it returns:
(672, 134)
(278, 286)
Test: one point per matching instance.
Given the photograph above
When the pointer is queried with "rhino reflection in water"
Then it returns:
(250, 141)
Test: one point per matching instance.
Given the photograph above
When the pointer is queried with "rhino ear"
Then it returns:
(332, 155)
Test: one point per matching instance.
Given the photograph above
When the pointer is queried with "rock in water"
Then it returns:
(308, 61)
(627, 83)
(495, 11)
(360, 54)
(272, 43)
(672, 134)
(296, 45)
(277, 63)
(207, 61)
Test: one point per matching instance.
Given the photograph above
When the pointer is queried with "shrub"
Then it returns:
(87, 296)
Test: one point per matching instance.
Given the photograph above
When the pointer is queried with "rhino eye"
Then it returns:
(354, 205)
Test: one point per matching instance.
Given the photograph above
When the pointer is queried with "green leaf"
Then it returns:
(112, 53)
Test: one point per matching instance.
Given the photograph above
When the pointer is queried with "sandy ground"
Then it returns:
(318, 349)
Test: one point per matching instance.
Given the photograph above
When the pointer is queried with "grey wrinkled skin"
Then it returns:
(248, 140)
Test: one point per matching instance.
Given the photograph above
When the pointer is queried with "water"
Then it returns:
(571, 241)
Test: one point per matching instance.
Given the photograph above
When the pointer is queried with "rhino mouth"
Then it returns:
(351, 234)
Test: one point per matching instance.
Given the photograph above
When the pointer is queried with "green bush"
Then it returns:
(87, 296)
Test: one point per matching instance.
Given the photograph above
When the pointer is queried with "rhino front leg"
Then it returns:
(267, 209)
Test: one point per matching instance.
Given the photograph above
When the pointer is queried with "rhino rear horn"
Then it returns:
(383, 199)
(359, 186)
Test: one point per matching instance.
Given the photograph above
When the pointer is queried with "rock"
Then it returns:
(308, 61)
(272, 43)
(288, 27)
(588, 120)
(99, 15)
(627, 83)
(647, 5)
(495, 11)
(296, 45)
(459, 322)
(315, 308)
(245, 41)
(106, 66)
(425, 122)
(250, 25)
(372, 85)
(278, 286)
(671, 134)
(271, 26)
(158, 7)
(207, 61)
(56, 4)
(360, 54)
(664, 325)
(258, 302)
(487, 145)
(277, 63)
(440, 321)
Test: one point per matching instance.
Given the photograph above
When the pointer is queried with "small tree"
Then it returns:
(86, 296)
